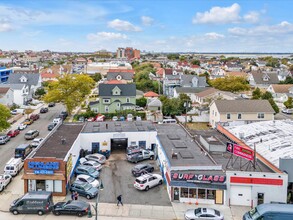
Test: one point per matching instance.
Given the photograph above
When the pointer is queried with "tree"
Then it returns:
(70, 89)
(274, 105)
(256, 94)
(195, 62)
(171, 107)
(288, 80)
(289, 103)
(40, 92)
(182, 58)
(97, 77)
(173, 56)
(4, 116)
(231, 84)
(183, 99)
(141, 102)
(267, 95)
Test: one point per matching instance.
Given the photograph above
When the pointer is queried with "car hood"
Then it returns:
(190, 213)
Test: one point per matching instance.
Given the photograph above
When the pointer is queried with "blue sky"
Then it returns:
(151, 25)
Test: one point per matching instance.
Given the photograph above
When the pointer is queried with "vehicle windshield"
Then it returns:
(19, 151)
(87, 187)
(196, 211)
(92, 170)
(90, 179)
(254, 214)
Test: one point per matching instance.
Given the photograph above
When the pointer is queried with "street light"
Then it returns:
(100, 188)
(186, 105)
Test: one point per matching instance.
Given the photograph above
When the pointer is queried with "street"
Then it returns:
(7, 150)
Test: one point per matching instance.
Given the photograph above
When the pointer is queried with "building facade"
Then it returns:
(4, 74)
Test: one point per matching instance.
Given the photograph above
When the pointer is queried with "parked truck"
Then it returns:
(5, 179)
(139, 155)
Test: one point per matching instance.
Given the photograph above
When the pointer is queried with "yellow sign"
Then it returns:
(104, 143)
(69, 167)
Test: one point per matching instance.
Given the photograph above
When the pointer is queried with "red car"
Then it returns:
(35, 117)
(13, 133)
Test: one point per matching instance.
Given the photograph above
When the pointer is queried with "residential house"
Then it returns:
(236, 112)
(189, 91)
(116, 97)
(263, 79)
(6, 96)
(170, 82)
(217, 73)
(207, 96)
(150, 95)
(233, 67)
(281, 92)
(126, 77)
(32, 80)
(261, 63)
(20, 93)
(283, 73)
(94, 106)
(154, 104)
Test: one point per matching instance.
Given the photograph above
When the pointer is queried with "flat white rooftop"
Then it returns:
(273, 139)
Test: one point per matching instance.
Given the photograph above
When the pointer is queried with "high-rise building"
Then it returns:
(136, 54)
(120, 53)
(128, 53)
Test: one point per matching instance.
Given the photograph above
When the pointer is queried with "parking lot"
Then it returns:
(117, 180)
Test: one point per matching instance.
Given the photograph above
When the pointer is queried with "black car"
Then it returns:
(70, 207)
(51, 126)
(44, 110)
(63, 115)
(51, 104)
(142, 169)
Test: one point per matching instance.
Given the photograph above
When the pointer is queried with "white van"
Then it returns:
(18, 111)
(13, 166)
(168, 121)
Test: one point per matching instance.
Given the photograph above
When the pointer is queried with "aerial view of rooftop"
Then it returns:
(146, 110)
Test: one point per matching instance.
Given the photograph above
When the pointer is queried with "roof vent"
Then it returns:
(63, 141)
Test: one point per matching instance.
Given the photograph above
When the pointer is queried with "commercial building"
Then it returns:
(128, 53)
(4, 74)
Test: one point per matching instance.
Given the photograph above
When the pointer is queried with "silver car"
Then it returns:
(203, 214)
(100, 158)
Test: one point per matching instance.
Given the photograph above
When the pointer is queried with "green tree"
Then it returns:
(256, 94)
(182, 58)
(40, 92)
(171, 107)
(289, 103)
(183, 99)
(97, 77)
(274, 105)
(231, 84)
(70, 89)
(288, 80)
(267, 95)
(141, 102)
(195, 62)
(173, 56)
(4, 116)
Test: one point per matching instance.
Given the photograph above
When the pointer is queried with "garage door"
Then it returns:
(118, 144)
(240, 195)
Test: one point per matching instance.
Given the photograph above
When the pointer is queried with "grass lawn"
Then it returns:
(198, 126)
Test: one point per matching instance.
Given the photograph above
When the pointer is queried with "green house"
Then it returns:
(116, 97)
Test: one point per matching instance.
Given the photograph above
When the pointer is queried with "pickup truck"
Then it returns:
(139, 155)
(5, 179)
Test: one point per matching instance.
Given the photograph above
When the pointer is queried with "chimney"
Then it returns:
(63, 141)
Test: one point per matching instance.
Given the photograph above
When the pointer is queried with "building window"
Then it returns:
(106, 101)
(184, 193)
(127, 99)
(118, 104)
(201, 193)
(228, 116)
(211, 194)
(106, 109)
(57, 185)
(192, 193)
(133, 143)
(142, 144)
(215, 113)
(239, 116)
(260, 115)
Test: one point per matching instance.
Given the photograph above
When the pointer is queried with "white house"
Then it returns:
(281, 92)
(6, 96)
(20, 92)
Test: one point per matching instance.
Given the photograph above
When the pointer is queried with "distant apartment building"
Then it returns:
(4, 74)
(128, 53)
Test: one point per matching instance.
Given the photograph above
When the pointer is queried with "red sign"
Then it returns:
(262, 181)
(191, 177)
(240, 151)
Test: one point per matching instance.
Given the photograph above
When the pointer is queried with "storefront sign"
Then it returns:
(104, 143)
(240, 151)
(69, 167)
(43, 167)
(191, 177)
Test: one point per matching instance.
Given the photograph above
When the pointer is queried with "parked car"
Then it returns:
(5, 179)
(132, 148)
(88, 179)
(57, 120)
(36, 142)
(44, 110)
(31, 134)
(96, 157)
(91, 163)
(51, 126)
(81, 169)
(4, 138)
(51, 104)
(203, 213)
(84, 189)
(139, 155)
(100, 118)
(287, 111)
(28, 121)
(35, 117)
(147, 181)
(17, 111)
(63, 115)
(71, 207)
(91, 119)
(22, 126)
(115, 118)
(142, 169)
(129, 117)
(13, 166)
(13, 133)
(138, 108)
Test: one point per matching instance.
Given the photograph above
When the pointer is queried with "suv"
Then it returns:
(87, 170)
(63, 115)
(51, 126)
(31, 134)
(51, 104)
(142, 169)
(148, 181)
(4, 138)
(100, 158)
(44, 110)
(84, 189)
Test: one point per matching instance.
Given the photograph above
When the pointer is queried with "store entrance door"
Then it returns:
(260, 198)
(41, 185)
(176, 194)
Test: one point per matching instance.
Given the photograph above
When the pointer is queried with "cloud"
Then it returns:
(121, 25)
(219, 15)
(214, 36)
(106, 36)
(251, 17)
(147, 21)
(32, 33)
(5, 27)
(264, 30)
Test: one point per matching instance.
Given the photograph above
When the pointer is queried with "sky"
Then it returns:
(148, 25)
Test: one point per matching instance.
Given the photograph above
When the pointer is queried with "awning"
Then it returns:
(43, 177)
(198, 185)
